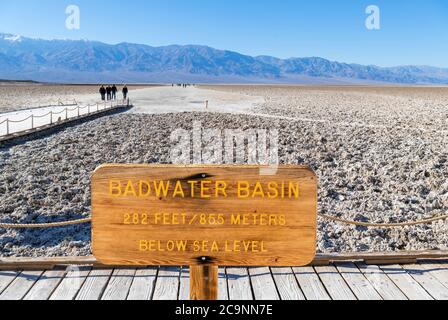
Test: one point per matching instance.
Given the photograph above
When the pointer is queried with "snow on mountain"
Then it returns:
(91, 61)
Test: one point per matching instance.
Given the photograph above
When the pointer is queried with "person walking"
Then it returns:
(114, 92)
(109, 93)
(125, 92)
(103, 93)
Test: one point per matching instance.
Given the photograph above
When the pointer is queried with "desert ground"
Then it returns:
(380, 154)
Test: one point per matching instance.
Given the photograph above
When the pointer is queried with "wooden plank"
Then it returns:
(310, 283)
(263, 284)
(46, 263)
(381, 282)
(439, 270)
(143, 285)
(360, 286)
(21, 285)
(430, 283)
(334, 283)
(287, 284)
(71, 284)
(184, 287)
(6, 277)
(223, 293)
(381, 258)
(411, 288)
(230, 214)
(46, 285)
(167, 284)
(95, 284)
(239, 284)
(119, 285)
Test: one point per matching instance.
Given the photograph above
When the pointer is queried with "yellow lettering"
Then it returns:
(115, 188)
(215, 247)
(152, 246)
(196, 246)
(192, 187)
(205, 189)
(235, 219)
(258, 191)
(143, 245)
(294, 190)
(221, 187)
(243, 190)
(160, 249)
(255, 246)
(178, 190)
(283, 190)
(262, 248)
(182, 246)
(130, 191)
(282, 220)
(142, 184)
(263, 218)
(170, 246)
(161, 188)
(237, 246)
(272, 220)
(273, 190)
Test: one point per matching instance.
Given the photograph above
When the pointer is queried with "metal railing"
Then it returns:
(63, 115)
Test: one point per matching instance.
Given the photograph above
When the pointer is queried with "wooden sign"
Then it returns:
(196, 215)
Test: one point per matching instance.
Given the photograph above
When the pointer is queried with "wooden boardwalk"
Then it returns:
(339, 281)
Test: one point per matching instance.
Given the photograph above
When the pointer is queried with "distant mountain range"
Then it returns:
(92, 62)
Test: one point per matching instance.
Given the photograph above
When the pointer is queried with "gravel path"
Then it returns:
(368, 174)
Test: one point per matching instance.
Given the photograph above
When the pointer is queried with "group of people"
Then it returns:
(110, 92)
(183, 85)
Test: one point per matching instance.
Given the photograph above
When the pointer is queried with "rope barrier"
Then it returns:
(383, 225)
(62, 111)
(44, 225)
(326, 217)
(18, 121)
(66, 111)
(43, 116)
(52, 104)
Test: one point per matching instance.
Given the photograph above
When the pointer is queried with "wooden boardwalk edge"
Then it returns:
(382, 258)
(56, 125)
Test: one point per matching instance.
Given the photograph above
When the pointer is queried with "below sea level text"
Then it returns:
(202, 246)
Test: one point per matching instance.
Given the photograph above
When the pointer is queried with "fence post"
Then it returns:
(78, 111)
(7, 127)
(51, 117)
(32, 121)
(66, 113)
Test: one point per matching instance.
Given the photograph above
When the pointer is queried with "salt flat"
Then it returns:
(169, 99)
(23, 96)
(381, 155)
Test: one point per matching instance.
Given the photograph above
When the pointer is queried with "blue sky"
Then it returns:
(412, 31)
